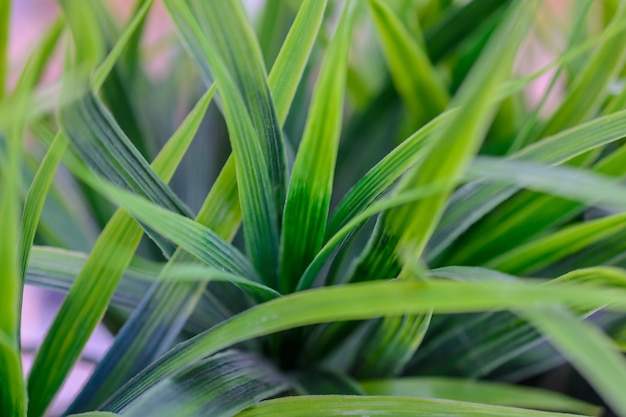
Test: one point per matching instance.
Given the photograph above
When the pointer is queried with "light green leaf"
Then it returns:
(542, 252)
(293, 55)
(37, 195)
(473, 201)
(417, 82)
(572, 183)
(228, 36)
(336, 405)
(310, 188)
(256, 193)
(483, 392)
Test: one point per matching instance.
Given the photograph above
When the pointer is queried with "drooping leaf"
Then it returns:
(334, 406)
(483, 392)
(358, 302)
(590, 351)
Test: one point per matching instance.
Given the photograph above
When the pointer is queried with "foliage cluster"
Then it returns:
(359, 213)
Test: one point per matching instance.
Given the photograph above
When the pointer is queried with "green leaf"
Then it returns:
(96, 283)
(383, 175)
(542, 252)
(589, 89)
(589, 350)
(497, 339)
(473, 201)
(256, 193)
(363, 301)
(310, 188)
(12, 392)
(5, 19)
(572, 183)
(103, 71)
(419, 86)
(463, 134)
(88, 39)
(337, 405)
(37, 195)
(140, 344)
(402, 233)
(229, 36)
(168, 304)
(293, 55)
(483, 392)
(101, 144)
(56, 269)
(221, 385)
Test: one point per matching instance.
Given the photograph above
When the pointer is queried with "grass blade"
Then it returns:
(532, 257)
(337, 405)
(221, 385)
(310, 188)
(37, 195)
(108, 260)
(483, 392)
(472, 202)
(293, 55)
(230, 36)
(256, 194)
(589, 350)
(12, 391)
(419, 86)
(359, 302)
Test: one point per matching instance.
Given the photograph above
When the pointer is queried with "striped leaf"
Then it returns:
(111, 254)
(358, 302)
(221, 385)
(310, 187)
(419, 86)
(168, 304)
(483, 392)
(331, 406)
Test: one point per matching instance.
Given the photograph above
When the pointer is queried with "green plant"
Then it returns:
(412, 231)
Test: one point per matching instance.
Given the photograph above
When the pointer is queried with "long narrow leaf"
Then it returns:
(334, 406)
(108, 260)
(479, 392)
(418, 84)
(221, 386)
(358, 302)
(310, 188)
(589, 350)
